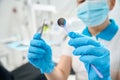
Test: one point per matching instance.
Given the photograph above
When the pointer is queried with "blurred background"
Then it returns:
(20, 19)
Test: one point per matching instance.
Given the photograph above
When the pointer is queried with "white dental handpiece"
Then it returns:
(62, 23)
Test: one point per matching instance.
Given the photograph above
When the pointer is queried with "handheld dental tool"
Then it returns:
(62, 23)
(40, 29)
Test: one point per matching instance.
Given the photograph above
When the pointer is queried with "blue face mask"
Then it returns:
(93, 12)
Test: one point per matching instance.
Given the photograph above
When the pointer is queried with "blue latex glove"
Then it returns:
(91, 52)
(40, 54)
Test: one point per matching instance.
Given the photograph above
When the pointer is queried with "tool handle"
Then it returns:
(97, 71)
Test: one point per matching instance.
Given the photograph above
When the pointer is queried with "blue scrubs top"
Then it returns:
(107, 34)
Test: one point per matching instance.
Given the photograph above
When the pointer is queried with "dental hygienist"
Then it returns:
(81, 50)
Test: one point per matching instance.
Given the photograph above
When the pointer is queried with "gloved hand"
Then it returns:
(40, 54)
(91, 52)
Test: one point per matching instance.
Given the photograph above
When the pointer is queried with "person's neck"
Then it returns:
(97, 29)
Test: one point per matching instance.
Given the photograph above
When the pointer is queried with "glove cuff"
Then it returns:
(48, 69)
(108, 78)
(105, 78)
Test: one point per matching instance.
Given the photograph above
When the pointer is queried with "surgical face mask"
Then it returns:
(93, 12)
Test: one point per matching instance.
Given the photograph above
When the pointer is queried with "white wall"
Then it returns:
(12, 24)
(115, 13)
